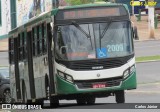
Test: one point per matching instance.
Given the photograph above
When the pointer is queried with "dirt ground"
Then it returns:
(143, 30)
(142, 26)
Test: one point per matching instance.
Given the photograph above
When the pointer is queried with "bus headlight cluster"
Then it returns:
(65, 77)
(128, 71)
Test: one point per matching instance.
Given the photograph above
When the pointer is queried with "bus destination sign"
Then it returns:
(90, 13)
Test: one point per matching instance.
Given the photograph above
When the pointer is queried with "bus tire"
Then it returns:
(120, 96)
(39, 101)
(91, 100)
(54, 102)
(81, 101)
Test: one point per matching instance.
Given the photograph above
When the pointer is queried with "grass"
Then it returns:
(147, 58)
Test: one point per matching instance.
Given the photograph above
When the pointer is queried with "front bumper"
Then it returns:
(65, 88)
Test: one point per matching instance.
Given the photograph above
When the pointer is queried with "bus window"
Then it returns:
(11, 50)
(44, 42)
(40, 39)
(19, 47)
(23, 45)
(38, 43)
(33, 41)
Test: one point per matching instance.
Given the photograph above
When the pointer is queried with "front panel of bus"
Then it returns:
(94, 50)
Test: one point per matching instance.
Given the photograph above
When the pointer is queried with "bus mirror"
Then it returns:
(135, 33)
(63, 50)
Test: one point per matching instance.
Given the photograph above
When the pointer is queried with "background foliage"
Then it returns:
(78, 2)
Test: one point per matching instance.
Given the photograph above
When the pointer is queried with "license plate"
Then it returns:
(99, 85)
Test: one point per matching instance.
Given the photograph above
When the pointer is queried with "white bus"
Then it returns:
(76, 52)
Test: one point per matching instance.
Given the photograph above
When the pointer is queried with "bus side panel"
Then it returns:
(13, 82)
(26, 80)
(30, 65)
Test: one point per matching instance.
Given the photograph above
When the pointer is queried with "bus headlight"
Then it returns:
(65, 77)
(128, 71)
(69, 78)
(132, 69)
(61, 74)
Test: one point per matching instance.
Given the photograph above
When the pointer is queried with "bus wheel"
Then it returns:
(81, 101)
(91, 100)
(120, 96)
(54, 102)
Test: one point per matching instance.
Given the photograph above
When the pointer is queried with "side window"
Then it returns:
(40, 39)
(38, 43)
(44, 41)
(33, 42)
(21, 46)
(11, 50)
(24, 45)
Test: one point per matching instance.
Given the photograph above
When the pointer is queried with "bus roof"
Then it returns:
(47, 15)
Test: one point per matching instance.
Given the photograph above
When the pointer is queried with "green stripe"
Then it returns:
(148, 58)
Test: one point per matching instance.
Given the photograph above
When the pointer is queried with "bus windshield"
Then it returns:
(94, 41)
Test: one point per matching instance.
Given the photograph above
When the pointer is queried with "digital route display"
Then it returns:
(90, 13)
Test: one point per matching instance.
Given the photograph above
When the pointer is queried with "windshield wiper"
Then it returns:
(83, 31)
(105, 30)
(103, 33)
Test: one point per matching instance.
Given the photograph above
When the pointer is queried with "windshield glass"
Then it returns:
(91, 41)
(4, 73)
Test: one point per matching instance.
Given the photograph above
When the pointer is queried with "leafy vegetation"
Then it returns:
(147, 58)
(78, 2)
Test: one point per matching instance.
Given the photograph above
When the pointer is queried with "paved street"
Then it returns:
(147, 48)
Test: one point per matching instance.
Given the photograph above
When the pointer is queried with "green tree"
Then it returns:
(78, 2)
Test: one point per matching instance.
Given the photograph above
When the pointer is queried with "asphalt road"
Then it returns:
(147, 48)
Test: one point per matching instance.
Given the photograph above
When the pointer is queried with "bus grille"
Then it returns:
(97, 64)
(111, 82)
